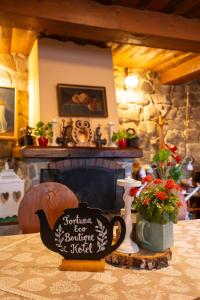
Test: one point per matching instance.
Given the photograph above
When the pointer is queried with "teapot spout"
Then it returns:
(46, 233)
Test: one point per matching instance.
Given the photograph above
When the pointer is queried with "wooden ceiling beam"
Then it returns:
(183, 73)
(22, 41)
(5, 39)
(177, 60)
(91, 21)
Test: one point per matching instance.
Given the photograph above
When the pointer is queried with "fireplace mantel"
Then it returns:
(75, 152)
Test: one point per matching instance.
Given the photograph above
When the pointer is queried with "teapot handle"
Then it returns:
(123, 231)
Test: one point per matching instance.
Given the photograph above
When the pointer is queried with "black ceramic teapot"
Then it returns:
(81, 233)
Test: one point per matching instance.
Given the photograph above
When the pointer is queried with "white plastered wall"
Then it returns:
(69, 63)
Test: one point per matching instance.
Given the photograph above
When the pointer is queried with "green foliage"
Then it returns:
(122, 134)
(166, 166)
(162, 155)
(176, 172)
(153, 208)
(119, 135)
(43, 130)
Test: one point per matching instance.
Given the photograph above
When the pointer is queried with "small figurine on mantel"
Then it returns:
(97, 137)
(66, 138)
(26, 138)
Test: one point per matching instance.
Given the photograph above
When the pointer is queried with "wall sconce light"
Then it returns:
(131, 80)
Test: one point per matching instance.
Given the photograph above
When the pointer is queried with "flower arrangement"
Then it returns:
(168, 164)
(158, 201)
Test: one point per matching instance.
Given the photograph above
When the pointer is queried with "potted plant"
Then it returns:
(133, 139)
(126, 138)
(120, 137)
(158, 206)
(44, 132)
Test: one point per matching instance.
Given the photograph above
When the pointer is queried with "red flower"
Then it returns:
(171, 148)
(148, 178)
(158, 180)
(177, 187)
(178, 159)
(180, 203)
(161, 195)
(133, 191)
(170, 184)
(146, 201)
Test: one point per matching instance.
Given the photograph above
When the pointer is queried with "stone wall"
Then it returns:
(14, 73)
(140, 109)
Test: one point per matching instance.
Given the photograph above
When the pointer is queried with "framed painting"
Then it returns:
(8, 113)
(81, 101)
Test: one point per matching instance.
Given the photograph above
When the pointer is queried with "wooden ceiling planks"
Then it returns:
(149, 55)
(167, 63)
(184, 72)
(177, 60)
(194, 12)
(125, 55)
(94, 23)
(164, 56)
(185, 7)
(155, 5)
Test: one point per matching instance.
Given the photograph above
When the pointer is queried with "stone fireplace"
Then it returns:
(90, 172)
(92, 180)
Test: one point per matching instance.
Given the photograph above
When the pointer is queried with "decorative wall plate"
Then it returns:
(82, 133)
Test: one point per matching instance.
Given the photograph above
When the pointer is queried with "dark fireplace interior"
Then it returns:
(94, 184)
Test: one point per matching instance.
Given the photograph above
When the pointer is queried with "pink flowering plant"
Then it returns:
(158, 201)
(168, 164)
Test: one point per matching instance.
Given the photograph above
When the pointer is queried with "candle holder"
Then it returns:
(110, 134)
(54, 123)
(128, 245)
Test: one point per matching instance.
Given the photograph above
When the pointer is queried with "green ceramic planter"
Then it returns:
(153, 236)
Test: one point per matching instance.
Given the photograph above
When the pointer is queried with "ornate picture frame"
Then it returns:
(8, 113)
(81, 101)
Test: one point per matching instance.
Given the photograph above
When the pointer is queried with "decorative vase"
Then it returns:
(43, 142)
(153, 236)
(110, 134)
(122, 143)
(133, 142)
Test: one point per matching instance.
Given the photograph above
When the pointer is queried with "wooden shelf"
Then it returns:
(75, 152)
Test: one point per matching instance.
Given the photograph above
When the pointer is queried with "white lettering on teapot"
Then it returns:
(81, 248)
(76, 221)
(78, 238)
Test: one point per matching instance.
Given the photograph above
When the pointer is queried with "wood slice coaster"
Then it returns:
(144, 259)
